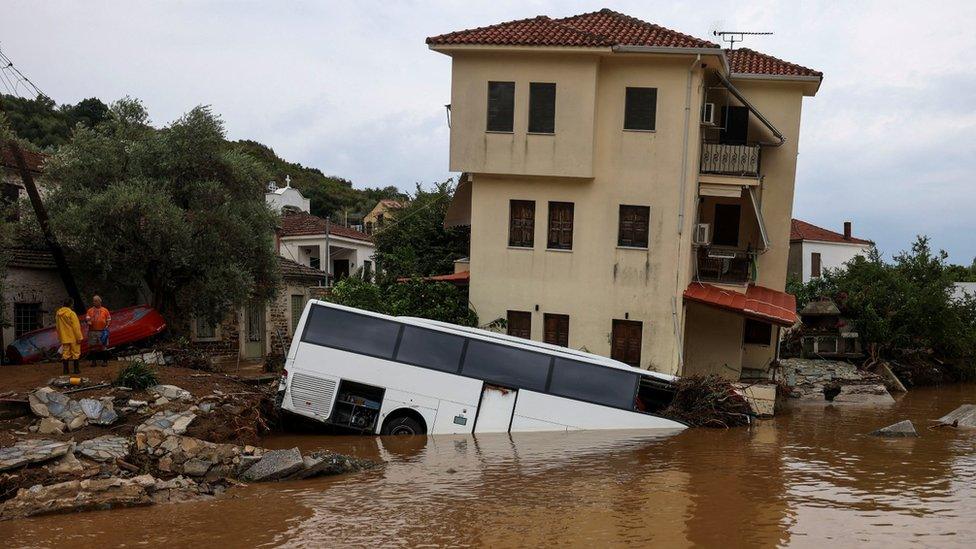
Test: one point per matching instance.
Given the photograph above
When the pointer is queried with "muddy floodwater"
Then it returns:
(809, 478)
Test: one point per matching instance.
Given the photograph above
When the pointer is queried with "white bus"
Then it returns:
(375, 373)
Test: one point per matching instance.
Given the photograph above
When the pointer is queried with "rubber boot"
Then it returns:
(64, 367)
(77, 367)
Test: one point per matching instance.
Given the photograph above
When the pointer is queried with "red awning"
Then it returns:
(757, 302)
(460, 279)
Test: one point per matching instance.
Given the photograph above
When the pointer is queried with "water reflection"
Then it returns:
(805, 479)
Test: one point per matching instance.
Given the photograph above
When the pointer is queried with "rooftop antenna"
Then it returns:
(731, 37)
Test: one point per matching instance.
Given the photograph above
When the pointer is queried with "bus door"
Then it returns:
(495, 409)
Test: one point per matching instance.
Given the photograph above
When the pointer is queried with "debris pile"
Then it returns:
(708, 401)
(60, 413)
(833, 381)
(963, 416)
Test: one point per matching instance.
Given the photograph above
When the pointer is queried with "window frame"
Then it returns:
(488, 107)
(536, 91)
(636, 90)
(616, 371)
(647, 227)
(399, 345)
(816, 261)
(195, 331)
(508, 322)
(37, 312)
(511, 224)
(749, 337)
(556, 244)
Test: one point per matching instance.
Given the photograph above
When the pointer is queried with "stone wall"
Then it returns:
(31, 286)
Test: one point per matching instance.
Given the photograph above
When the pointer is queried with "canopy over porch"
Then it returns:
(757, 302)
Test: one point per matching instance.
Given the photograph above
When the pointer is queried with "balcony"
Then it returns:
(735, 160)
(724, 266)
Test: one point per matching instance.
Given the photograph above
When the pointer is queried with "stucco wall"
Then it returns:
(714, 342)
(832, 255)
(356, 251)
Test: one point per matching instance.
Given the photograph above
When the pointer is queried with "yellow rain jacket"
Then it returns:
(69, 328)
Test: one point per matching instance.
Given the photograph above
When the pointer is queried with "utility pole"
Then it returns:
(328, 251)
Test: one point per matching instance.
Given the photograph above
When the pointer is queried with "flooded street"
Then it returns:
(810, 477)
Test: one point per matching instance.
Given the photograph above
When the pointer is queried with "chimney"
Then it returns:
(847, 230)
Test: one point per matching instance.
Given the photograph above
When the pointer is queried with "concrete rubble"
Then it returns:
(170, 392)
(104, 448)
(25, 452)
(833, 381)
(901, 429)
(69, 414)
(963, 416)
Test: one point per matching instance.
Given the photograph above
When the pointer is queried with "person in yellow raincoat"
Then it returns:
(69, 334)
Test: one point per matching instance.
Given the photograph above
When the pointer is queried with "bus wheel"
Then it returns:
(403, 425)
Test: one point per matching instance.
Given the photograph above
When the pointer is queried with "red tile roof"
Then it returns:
(746, 61)
(296, 271)
(602, 28)
(30, 258)
(34, 160)
(801, 230)
(302, 224)
(758, 302)
(461, 279)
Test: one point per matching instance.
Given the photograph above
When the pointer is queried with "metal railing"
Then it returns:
(722, 159)
(724, 270)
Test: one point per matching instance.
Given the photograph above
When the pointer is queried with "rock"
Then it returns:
(91, 407)
(274, 465)
(864, 394)
(171, 392)
(963, 416)
(38, 401)
(32, 451)
(76, 495)
(197, 467)
(206, 407)
(167, 422)
(104, 448)
(900, 429)
(161, 401)
(77, 422)
(67, 464)
(137, 403)
(50, 426)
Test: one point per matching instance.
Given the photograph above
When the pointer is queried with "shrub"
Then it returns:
(136, 375)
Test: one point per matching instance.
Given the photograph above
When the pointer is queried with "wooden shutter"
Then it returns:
(520, 324)
(633, 227)
(626, 342)
(640, 109)
(560, 226)
(815, 265)
(521, 223)
(542, 108)
(501, 106)
(556, 329)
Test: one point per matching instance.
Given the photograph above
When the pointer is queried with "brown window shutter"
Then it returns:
(560, 226)
(640, 109)
(626, 341)
(521, 224)
(556, 329)
(520, 324)
(542, 107)
(815, 265)
(634, 224)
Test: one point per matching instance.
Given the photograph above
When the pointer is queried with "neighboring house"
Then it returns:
(32, 292)
(320, 244)
(963, 290)
(814, 249)
(382, 213)
(287, 197)
(629, 188)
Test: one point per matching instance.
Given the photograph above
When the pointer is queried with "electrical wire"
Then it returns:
(8, 65)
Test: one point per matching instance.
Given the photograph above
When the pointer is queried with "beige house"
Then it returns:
(629, 188)
(384, 210)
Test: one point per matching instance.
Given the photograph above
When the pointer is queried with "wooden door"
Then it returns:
(556, 329)
(626, 342)
(520, 324)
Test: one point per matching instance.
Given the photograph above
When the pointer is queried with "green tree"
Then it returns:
(176, 211)
(42, 122)
(419, 298)
(416, 243)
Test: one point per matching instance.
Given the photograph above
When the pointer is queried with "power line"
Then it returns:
(8, 65)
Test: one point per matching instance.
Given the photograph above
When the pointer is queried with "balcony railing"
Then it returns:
(725, 267)
(722, 159)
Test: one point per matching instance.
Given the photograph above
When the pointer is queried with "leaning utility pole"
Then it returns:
(43, 221)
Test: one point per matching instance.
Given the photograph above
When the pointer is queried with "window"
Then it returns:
(367, 270)
(815, 265)
(632, 231)
(432, 349)
(726, 231)
(556, 329)
(297, 306)
(640, 109)
(542, 108)
(501, 106)
(315, 262)
(592, 383)
(521, 223)
(506, 366)
(625, 343)
(351, 332)
(520, 324)
(27, 318)
(757, 332)
(560, 226)
(204, 329)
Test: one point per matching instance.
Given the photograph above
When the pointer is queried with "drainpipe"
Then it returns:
(780, 138)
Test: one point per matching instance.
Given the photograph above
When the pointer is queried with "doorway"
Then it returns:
(254, 330)
(726, 232)
(340, 268)
(495, 409)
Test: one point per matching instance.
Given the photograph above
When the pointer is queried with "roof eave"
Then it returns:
(448, 49)
(811, 84)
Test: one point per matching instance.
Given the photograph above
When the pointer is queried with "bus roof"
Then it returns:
(508, 340)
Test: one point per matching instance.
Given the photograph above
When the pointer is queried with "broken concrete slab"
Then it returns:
(25, 452)
(168, 422)
(171, 392)
(864, 394)
(901, 429)
(963, 416)
(50, 426)
(760, 396)
(274, 465)
(77, 495)
(104, 448)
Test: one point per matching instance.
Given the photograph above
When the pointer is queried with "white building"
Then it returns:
(317, 243)
(814, 249)
(280, 198)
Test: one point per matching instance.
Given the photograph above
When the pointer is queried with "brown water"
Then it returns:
(807, 478)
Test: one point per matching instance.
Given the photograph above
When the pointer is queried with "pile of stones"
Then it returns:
(59, 413)
(833, 381)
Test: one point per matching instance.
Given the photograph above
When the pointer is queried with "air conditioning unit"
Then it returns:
(708, 114)
(703, 234)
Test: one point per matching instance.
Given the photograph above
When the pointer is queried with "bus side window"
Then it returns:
(351, 332)
(430, 349)
(506, 366)
(593, 383)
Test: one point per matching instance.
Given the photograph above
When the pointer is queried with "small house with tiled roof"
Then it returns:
(815, 249)
(382, 213)
(318, 243)
(629, 187)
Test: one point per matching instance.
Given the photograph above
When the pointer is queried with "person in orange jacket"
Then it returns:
(99, 320)
(69, 334)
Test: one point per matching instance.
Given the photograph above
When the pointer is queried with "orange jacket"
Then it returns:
(98, 318)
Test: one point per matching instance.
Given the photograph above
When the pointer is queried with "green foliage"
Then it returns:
(176, 211)
(419, 298)
(416, 243)
(905, 304)
(136, 375)
(42, 122)
(330, 196)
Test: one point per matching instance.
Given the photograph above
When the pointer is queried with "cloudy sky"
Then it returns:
(351, 88)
